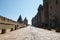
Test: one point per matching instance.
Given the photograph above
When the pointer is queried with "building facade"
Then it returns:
(49, 15)
(7, 25)
(52, 8)
(38, 19)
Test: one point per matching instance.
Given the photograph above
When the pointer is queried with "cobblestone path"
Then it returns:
(30, 33)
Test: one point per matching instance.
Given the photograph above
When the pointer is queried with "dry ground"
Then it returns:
(30, 33)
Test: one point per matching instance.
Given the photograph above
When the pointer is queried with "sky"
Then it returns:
(12, 9)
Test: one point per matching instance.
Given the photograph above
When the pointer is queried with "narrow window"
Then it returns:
(56, 2)
(51, 7)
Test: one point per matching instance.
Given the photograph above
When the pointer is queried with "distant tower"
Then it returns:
(25, 21)
(19, 19)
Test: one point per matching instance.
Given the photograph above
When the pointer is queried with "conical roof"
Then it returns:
(19, 19)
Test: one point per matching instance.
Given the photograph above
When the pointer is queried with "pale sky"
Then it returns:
(13, 8)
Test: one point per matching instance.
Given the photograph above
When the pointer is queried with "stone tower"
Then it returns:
(54, 12)
(25, 21)
(45, 11)
(19, 19)
(51, 9)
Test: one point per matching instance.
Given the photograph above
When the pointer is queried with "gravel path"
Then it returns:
(30, 33)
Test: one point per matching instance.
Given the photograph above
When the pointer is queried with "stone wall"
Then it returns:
(9, 25)
(48, 15)
(38, 19)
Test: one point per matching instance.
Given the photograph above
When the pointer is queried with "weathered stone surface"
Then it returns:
(9, 24)
(3, 31)
(31, 33)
